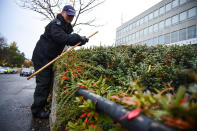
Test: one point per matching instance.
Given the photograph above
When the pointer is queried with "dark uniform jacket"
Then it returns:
(57, 34)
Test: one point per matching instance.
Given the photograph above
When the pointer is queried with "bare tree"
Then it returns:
(49, 8)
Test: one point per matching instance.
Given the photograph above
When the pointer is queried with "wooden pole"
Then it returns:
(58, 57)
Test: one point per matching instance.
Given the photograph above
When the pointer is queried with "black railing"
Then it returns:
(116, 111)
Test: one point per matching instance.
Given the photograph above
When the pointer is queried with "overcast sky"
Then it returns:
(25, 27)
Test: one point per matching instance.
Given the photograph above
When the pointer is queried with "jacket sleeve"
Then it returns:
(58, 34)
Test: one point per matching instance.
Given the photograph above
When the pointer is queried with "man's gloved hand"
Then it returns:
(75, 38)
(83, 40)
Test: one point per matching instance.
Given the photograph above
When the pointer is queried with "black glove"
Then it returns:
(83, 40)
(74, 39)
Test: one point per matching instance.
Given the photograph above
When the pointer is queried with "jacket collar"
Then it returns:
(61, 18)
(69, 28)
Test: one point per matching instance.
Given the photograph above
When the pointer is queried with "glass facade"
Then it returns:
(146, 19)
(141, 21)
(161, 25)
(150, 42)
(168, 7)
(192, 12)
(145, 31)
(175, 3)
(137, 34)
(141, 33)
(161, 39)
(183, 16)
(150, 29)
(167, 21)
(162, 10)
(167, 38)
(155, 41)
(175, 19)
(150, 17)
(156, 13)
(182, 34)
(155, 27)
(183, 2)
(192, 32)
(174, 36)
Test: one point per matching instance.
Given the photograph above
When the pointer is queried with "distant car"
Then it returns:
(2, 70)
(7, 70)
(14, 71)
(26, 72)
(32, 71)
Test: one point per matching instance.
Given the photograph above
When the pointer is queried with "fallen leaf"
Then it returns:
(134, 113)
(115, 97)
(128, 101)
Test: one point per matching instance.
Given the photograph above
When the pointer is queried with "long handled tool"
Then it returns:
(62, 54)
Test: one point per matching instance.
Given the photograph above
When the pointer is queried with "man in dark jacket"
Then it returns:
(57, 34)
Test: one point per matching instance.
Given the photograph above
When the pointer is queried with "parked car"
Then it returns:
(26, 72)
(2, 70)
(14, 71)
(7, 70)
(32, 71)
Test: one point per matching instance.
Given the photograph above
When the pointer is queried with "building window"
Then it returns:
(168, 7)
(123, 40)
(168, 22)
(174, 36)
(162, 10)
(137, 23)
(141, 33)
(121, 32)
(192, 12)
(155, 27)
(145, 31)
(137, 34)
(146, 19)
(155, 41)
(156, 13)
(130, 27)
(183, 16)
(192, 32)
(141, 21)
(161, 25)
(150, 16)
(175, 3)
(133, 25)
(127, 39)
(145, 42)
(130, 37)
(133, 36)
(183, 2)
(161, 39)
(150, 29)
(175, 19)
(167, 38)
(127, 28)
(182, 34)
(150, 42)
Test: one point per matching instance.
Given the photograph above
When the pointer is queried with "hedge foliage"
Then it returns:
(114, 71)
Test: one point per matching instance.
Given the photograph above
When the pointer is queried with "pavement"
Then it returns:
(16, 97)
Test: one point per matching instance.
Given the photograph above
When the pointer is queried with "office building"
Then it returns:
(168, 22)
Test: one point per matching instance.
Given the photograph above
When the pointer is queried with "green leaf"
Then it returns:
(179, 96)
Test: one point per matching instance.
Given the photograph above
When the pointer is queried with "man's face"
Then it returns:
(67, 18)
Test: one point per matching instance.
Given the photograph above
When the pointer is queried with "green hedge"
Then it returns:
(114, 71)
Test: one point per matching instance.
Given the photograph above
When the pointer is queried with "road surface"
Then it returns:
(16, 97)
